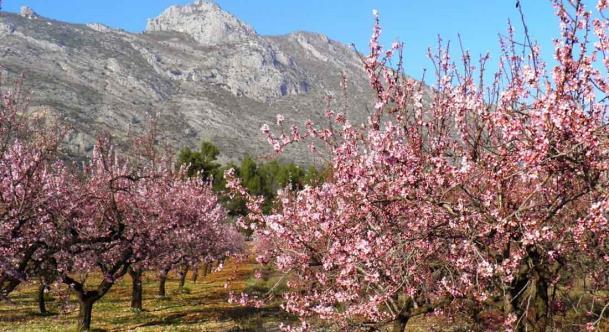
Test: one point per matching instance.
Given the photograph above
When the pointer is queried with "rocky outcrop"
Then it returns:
(248, 64)
(204, 73)
(205, 21)
(28, 12)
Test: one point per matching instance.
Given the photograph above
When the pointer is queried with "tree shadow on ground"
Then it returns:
(246, 318)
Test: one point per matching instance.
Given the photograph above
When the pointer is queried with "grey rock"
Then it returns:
(28, 12)
(205, 21)
(201, 71)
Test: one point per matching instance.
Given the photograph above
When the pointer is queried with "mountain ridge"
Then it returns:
(217, 79)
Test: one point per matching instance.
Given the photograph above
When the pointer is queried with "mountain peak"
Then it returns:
(205, 21)
(28, 12)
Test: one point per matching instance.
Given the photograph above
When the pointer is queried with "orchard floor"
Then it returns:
(202, 307)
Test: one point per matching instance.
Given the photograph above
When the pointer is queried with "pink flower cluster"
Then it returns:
(459, 198)
(111, 214)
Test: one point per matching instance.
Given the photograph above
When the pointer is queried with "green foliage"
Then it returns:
(261, 179)
(267, 178)
(202, 162)
(314, 177)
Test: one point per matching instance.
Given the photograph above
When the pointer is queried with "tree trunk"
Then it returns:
(136, 289)
(9, 283)
(528, 298)
(399, 324)
(162, 281)
(85, 313)
(87, 298)
(195, 273)
(401, 320)
(537, 314)
(7, 286)
(206, 269)
(41, 302)
(508, 306)
(182, 274)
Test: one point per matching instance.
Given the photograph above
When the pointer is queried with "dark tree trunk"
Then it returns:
(513, 302)
(162, 281)
(8, 286)
(9, 283)
(182, 273)
(85, 313)
(195, 273)
(537, 315)
(529, 295)
(205, 269)
(86, 298)
(508, 301)
(399, 324)
(41, 301)
(136, 289)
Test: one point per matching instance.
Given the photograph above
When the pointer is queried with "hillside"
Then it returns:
(206, 74)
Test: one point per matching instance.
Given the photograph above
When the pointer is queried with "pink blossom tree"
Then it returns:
(116, 216)
(459, 199)
(183, 217)
(189, 220)
(134, 216)
(31, 188)
(102, 229)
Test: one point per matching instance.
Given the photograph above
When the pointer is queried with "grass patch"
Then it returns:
(202, 306)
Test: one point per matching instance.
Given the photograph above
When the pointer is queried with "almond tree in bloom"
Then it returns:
(115, 216)
(134, 217)
(118, 216)
(181, 215)
(105, 226)
(470, 199)
(32, 189)
(187, 224)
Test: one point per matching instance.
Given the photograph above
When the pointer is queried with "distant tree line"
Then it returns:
(259, 177)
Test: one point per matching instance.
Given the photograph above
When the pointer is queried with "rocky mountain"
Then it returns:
(203, 72)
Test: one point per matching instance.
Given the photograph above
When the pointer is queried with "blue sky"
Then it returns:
(415, 22)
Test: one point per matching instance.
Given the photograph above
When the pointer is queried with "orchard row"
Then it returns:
(112, 215)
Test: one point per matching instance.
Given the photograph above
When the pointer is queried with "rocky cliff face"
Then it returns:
(206, 74)
(205, 21)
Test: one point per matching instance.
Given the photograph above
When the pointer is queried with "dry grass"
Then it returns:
(202, 307)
